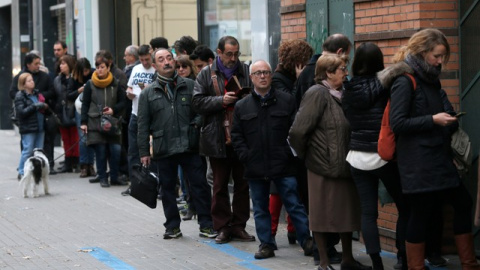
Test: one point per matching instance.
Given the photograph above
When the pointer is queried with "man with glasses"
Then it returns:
(259, 135)
(214, 103)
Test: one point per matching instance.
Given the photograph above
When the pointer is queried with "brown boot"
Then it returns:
(83, 170)
(466, 251)
(91, 170)
(415, 256)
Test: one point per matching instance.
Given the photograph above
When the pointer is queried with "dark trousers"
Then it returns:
(224, 215)
(48, 146)
(367, 187)
(195, 169)
(423, 207)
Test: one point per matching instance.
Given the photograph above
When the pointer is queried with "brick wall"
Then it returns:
(389, 24)
(293, 19)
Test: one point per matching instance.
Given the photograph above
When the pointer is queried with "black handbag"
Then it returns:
(144, 185)
(68, 114)
(110, 125)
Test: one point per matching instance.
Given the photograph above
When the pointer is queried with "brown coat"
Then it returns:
(320, 133)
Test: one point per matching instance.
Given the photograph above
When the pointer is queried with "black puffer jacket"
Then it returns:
(364, 102)
(26, 112)
(210, 106)
(260, 132)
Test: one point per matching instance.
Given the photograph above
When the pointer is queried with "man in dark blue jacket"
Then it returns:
(259, 136)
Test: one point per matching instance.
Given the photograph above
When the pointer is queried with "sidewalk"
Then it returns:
(83, 226)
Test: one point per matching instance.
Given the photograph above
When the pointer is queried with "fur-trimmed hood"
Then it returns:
(389, 74)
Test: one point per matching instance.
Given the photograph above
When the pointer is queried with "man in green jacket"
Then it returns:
(165, 114)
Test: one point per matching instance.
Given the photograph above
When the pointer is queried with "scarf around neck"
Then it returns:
(422, 69)
(228, 72)
(338, 93)
(102, 83)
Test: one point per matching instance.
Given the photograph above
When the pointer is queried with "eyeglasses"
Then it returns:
(182, 66)
(259, 73)
(344, 68)
(230, 54)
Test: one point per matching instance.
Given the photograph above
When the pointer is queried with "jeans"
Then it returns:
(367, 187)
(195, 169)
(30, 141)
(133, 154)
(113, 160)
(287, 189)
(87, 153)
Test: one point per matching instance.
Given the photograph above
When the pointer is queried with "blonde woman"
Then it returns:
(30, 107)
(423, 122)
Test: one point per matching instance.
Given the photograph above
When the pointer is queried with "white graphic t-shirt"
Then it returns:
(139, 75)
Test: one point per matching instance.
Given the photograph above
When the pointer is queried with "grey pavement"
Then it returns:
(83, 226)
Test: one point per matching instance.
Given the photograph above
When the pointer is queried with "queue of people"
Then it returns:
(304, 134)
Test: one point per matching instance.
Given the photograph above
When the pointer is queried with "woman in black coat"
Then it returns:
(423, 126)
(364, 102)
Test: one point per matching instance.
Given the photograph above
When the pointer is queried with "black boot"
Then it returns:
(75, 165)
(67, 166)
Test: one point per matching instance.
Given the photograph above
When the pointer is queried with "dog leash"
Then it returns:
(71, 147)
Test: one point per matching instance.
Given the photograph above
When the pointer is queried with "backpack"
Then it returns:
(386, 138)
(462, 153)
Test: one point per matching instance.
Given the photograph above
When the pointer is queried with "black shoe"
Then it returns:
(104, 183)
(308, 247)
(292, 237)
(94, 180)
(264, 252)
(172, 233)
(118, 182)
(19, 177)
(356, 266)
(52, 171)
(436, 260)
(334, 256)
(189, 215)
(126, 192)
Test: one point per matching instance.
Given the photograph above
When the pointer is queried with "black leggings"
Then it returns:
(423, 207)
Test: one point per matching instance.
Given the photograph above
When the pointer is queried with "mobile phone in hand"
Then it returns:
(460, 114)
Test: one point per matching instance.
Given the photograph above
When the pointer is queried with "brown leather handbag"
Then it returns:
(228, 113)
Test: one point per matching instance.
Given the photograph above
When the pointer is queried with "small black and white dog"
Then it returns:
(36, 169)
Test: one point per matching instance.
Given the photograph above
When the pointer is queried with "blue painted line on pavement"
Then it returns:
(247, 258)
(108, 259)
